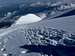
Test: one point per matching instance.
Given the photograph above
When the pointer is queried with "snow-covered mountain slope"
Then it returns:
(65, 23)
(16, 33)
(26, 19)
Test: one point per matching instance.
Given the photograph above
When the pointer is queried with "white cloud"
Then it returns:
(30, 18)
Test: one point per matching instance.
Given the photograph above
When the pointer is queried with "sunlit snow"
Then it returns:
(30, 18)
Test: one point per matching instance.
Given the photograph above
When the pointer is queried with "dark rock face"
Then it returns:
(39, 49)
(67, 14)
(50, 50)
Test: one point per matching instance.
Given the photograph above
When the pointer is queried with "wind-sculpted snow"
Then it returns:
(35, 36)
(45, 36)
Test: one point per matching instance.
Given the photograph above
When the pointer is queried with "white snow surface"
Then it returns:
(29, 18)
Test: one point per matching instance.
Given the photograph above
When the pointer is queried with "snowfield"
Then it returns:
(30, 18)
